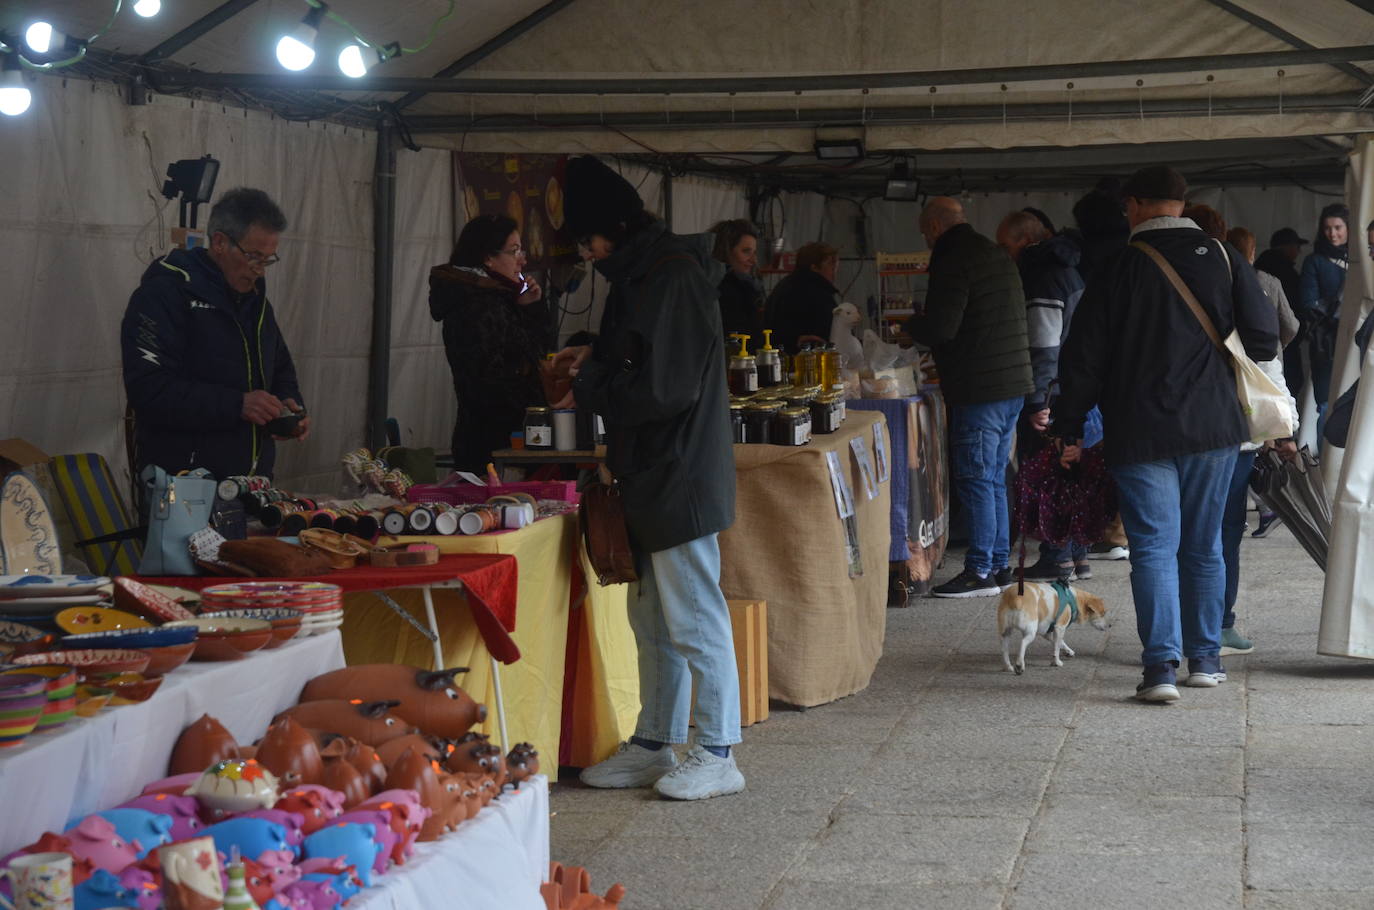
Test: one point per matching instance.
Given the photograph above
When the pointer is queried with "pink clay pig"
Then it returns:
(144, 886)
(318, 895)
(280, 869)
(184, 811)
(95, 838)
(315, 804)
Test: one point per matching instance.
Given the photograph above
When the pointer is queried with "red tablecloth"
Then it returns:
(489, 579)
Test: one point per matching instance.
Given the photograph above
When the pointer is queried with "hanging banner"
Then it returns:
(526, 188)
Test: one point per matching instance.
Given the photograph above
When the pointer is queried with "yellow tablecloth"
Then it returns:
(605, 700)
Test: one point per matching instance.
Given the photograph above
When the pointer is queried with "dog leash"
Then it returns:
(1066, 600)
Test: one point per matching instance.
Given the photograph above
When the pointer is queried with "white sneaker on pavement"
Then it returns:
(701, 775)
(631, 766)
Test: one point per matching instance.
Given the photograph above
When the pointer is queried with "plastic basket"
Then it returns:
(457, 491)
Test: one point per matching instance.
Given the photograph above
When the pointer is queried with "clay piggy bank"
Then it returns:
(252, 836)
(95, 838)
(235, 785)
(478, 758)
(318, 894)
(454, 809)
(371, 722)
(290, 752)
(425, 745)
(182, 810)
(143, 885)
(412, 772)
(101, 890)
(357, 844)
(316, 804)
(293, 822)
(380, 820)
(522, 763)
(279, 868)
(148, 829)
(407, 818)
(201, 745)
(258, 882)
(428, 699)
(346, 883)
(360, 755)
(341, 776)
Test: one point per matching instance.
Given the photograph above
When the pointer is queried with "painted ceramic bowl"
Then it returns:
(90, 662)
(90, 699)
(23, 684)
(156, 603)
(60, 692)
(19, 718)
(78, 620)
(133, 639)
(19, 638)
(227, 638)
(130, 688)
(167, 658)
(286, 623)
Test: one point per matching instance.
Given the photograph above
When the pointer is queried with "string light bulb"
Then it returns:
(41, 37)
(15, 96)
(148, 8)
(356, 61)
(296, 51)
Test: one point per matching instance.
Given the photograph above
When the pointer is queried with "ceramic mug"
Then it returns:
(40, 881)
(190, 874)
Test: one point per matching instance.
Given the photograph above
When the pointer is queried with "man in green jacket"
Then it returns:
(974, 322)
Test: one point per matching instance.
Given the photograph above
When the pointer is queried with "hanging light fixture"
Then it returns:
(356, 61)
(148, 8)
(15, 96)
(41, 38)
(296, 51)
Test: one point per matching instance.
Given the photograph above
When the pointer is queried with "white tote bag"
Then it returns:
(1268, 409)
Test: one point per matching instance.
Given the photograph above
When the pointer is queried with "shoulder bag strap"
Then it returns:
(1183, 291)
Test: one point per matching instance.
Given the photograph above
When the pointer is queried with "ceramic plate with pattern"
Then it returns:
(49, 585)
(32, 606)
(28, 539)
(77, 620)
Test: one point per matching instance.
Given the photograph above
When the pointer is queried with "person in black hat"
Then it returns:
(1172, 422)
(656, 375)
(1281, 261)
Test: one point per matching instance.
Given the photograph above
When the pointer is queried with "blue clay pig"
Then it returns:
(149, 830)
(101, 890)
(184, 812)
(357, 844)
(251, 836)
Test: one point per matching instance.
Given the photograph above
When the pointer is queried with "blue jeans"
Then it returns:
(1233, 529)
(1172, 513)
(682, 627)
(980, 435)
(1071, 552)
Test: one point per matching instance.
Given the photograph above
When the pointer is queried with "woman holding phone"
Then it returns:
(492, 335)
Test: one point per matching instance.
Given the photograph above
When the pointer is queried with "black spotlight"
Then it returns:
(194, 180)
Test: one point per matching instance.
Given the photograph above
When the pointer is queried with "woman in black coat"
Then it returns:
(491, 337)
(741, 295)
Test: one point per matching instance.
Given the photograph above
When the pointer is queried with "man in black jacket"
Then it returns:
(656, 375)
(1172, 421)
(205, 365)
(974, 321)
(802, 306)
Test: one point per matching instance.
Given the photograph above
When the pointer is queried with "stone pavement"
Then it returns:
(952, 784)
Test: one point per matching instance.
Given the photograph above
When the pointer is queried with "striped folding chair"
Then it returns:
(110, 541)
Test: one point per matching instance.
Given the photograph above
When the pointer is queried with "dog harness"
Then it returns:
(1064, 595)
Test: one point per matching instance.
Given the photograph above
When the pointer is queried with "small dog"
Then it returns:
(1037, 611)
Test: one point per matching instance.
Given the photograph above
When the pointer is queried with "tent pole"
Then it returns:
(383, 245)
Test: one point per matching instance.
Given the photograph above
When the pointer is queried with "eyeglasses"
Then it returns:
(256, 260)
(516, 251)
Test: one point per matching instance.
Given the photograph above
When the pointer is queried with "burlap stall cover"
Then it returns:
(787, 546)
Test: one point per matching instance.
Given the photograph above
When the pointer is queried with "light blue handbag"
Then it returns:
(178, 506)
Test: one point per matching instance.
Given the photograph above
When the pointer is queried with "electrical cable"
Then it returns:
(429, 38)
(81, 47)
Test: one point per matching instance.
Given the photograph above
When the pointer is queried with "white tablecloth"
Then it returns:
(497, 859)
(89, 765)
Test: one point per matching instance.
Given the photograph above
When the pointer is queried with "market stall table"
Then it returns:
(603, 698)
(95, 763)
(789, 546)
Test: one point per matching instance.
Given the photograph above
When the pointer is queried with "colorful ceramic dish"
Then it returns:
(130, 688)
(49, 585)
(60, 691)
(19, 717)
(89, 662)
(146, 600)
(226, 638)
(22, 685)
(98, 619)
(134, 639)
(90, 699)
(17, 633)
(286, 624)
(15, 607)
(167, 658)
(28, 539)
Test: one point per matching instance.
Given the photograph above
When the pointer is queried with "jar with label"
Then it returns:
(538, 428)
(828, 366)
(792, 427)
(827, 413)
(769, 362)
(737, 422)
(802, 396)
(806, 367)
(758, 417)
(838, 391)
(743, 374)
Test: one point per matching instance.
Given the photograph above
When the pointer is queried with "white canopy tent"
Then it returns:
(924, 77)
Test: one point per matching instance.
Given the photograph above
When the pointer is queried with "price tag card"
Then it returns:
(844, 499)
(865, 466)
(880, 452)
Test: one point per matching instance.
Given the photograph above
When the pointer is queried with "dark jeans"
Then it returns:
(1233, 530)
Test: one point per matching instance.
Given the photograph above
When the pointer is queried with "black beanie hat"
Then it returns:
(597, 200)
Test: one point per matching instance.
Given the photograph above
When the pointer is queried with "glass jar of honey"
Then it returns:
(791, 427)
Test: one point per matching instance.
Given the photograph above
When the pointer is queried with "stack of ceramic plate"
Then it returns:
(35, 599)
(321, 604)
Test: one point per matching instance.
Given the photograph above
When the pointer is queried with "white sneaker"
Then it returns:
(631, 766)
(1108, 551)
(701, 775)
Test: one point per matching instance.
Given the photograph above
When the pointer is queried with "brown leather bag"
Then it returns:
(602, 516)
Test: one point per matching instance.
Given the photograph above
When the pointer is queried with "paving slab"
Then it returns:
(1299, 795)
(1304, 746)
(1126, 882)
(1100, 824)
(1149, 769)
(903, 784)
(1315, 857)
(793, 894)
(895, 849)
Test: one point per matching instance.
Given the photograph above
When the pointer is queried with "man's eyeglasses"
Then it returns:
(257, 260)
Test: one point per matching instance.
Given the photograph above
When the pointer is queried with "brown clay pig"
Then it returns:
(341, 776)
(522, 763)
(371, 722)
(290, 752)
(425, 745)
(358, 754)
(413, 772)
(478, 757)
(428, 699)
(201, 745)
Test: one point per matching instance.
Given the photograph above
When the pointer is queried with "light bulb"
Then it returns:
(353, 62)
(15, 96)
(148, 8)
(39, 37)
(295, 54)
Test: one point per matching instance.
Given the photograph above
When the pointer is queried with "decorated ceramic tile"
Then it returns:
(49, 585)
(28, 539)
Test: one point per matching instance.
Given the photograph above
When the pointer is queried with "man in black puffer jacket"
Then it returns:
(1172, 420)
(974, 321)
(656, 375)
(205, 365)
